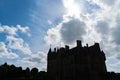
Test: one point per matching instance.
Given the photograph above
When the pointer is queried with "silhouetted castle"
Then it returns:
(78, 63)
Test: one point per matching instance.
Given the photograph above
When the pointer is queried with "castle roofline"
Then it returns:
(78, 46)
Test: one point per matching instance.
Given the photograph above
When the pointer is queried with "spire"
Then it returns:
(49, 51)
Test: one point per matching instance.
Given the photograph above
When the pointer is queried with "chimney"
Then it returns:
(54, 49)
(79, 44)
(66, 47)
(86, 45)
(97, 46)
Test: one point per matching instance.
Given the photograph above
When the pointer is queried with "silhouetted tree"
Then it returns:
(27, 73)
(34, 72)
(11, 72)
(19, 72)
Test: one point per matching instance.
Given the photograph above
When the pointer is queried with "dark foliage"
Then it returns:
(10, 72)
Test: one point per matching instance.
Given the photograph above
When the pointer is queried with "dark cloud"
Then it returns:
(72, 30)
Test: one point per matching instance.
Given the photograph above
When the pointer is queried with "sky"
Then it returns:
(29, 27)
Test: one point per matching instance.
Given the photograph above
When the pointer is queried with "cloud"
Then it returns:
(14, 39)
(5, 53)
(39, 57)
(13, 30)
(23, 29)
(72, 31)
(18, 44)
(109, 2)
(72, 8)
(38, 60)
(10, 30)
(53, 35)
(116, 31)
(16, 47)
(102, 27)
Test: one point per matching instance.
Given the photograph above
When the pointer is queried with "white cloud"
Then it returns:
(14, 39)
(12, 30)
(1, 29)
(18, 44)
(24, 30)
(4, 53)
(53, 35)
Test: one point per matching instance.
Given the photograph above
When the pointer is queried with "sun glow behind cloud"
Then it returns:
(72, 8)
